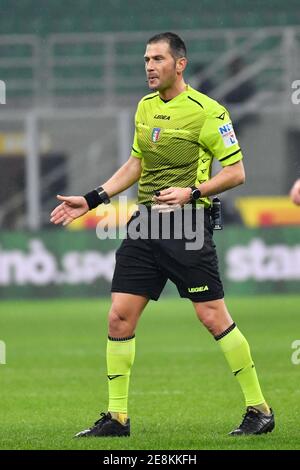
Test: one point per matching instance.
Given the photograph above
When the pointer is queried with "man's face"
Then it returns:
(160, 66)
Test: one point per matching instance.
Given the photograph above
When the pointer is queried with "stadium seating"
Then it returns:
(42, 19)
(117, 15)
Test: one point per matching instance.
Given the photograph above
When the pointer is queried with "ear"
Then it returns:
(181, 64)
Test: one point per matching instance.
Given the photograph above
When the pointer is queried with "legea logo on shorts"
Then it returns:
(197, 289)
(2, 92)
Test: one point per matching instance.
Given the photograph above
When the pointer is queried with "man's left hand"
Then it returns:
(174, 196)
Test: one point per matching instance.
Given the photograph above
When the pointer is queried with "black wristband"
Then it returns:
(93, 199)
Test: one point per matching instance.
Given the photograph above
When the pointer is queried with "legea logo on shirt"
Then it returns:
(228, 135)
(155, 134)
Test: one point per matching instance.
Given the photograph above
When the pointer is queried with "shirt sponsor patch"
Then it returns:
(228, 135)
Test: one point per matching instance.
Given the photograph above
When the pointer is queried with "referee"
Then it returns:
(178, 132)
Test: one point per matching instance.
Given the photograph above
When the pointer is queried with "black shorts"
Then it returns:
(143, 266)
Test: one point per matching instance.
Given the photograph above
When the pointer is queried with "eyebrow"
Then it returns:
(154, 57)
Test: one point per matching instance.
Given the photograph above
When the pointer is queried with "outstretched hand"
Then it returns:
(295, 192)
(70, 209)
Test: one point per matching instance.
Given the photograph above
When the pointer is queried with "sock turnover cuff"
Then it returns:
(121, 339)
(225, 332)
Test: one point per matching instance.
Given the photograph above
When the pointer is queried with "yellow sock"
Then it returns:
(264, 408)
(121, 417)
(237, 352)
(120, 357)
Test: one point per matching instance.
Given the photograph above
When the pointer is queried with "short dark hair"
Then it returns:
(176, 44)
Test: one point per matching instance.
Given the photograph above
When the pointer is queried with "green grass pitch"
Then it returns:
(182, 393)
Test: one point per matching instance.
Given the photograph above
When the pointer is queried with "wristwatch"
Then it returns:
(196, 193)
(102, 195)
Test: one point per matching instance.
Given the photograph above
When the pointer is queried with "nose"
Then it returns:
(149, 66)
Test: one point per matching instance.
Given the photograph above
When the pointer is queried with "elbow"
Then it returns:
(240, 177)
(236, 174)
(237, 180)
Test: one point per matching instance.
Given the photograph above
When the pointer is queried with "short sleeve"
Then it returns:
(136, 151)
(217, 135)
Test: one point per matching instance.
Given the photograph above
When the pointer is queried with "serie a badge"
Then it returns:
(155, 134)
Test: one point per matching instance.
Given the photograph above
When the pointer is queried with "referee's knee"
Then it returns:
(118, 324)
(214, 316)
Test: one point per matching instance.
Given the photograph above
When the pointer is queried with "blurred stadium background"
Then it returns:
(73, 73)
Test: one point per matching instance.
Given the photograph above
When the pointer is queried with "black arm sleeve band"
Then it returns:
(93, 199)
